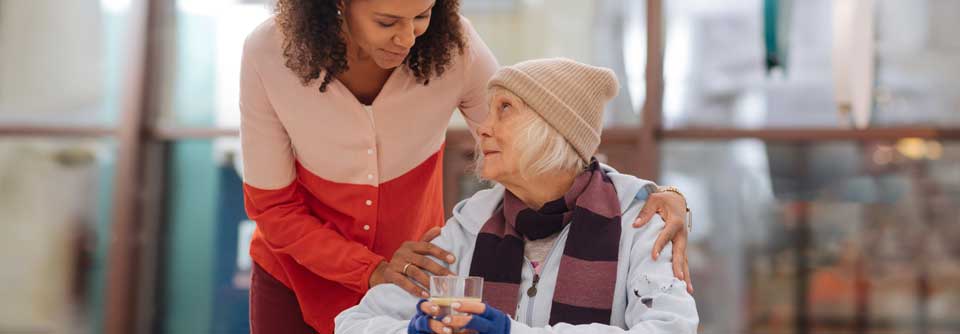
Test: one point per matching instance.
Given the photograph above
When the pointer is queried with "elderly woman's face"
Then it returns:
(498, 135)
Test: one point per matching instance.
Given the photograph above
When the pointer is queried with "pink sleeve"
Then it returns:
(481, 65)
(268, 158)
(277, 202)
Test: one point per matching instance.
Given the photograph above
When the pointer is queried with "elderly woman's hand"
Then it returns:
(423, 321)
(481, 318)
(673, 209)
(411, 264)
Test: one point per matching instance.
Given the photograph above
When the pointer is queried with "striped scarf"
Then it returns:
(585, 283)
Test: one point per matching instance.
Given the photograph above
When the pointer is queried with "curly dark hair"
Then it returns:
(312, 42)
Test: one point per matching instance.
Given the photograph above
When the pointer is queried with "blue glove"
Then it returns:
(420, 323)
(492, 321)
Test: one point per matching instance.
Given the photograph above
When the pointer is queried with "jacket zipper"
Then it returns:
(532, 291)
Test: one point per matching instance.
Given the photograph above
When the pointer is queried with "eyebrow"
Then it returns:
(400, 17)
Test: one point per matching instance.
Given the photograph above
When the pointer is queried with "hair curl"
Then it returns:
(312, 43)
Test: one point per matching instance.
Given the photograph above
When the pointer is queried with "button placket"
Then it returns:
(373, 162)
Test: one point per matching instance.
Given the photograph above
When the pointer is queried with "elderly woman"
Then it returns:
(552, 239)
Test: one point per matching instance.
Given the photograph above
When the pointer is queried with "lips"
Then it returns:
(395, 54)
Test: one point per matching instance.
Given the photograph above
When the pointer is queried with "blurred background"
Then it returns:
(817, 142)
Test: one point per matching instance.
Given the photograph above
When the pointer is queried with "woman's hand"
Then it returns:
(411, 264)
(481, 318)
(423, 322)
(673, 209)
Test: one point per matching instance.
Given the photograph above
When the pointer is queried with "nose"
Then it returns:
(485, 130)
(406, 37)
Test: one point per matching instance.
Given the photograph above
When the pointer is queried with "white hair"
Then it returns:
(543, 149)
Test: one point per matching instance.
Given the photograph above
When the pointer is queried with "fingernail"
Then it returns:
(450, 258)
(447, 320)
(434, 308)
(446, 330)
(455, 305)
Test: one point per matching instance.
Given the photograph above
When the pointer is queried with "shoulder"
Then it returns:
(631, 190)
(476, 49)
(264, 39)
(470, 35)
(632, 194)
(474, 211)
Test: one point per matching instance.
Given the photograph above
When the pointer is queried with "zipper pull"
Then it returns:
(532, 291)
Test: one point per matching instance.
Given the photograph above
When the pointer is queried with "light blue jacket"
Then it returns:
(387, 308)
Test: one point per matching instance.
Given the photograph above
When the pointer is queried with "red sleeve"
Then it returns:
(289, 228)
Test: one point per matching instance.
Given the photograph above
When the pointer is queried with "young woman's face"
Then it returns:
(385, 30)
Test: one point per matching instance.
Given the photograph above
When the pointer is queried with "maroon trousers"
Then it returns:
(273, 306)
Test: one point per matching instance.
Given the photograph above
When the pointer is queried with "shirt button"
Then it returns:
(369, 176)
(366, 227)
(370, 151)
(369, 202)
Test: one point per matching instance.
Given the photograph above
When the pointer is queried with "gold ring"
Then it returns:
(404, 271)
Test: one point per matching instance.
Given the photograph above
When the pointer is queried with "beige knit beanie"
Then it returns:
(569, 95)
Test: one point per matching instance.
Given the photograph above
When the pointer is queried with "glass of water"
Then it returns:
(446, 290)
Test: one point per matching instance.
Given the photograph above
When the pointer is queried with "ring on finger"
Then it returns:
(404, 271)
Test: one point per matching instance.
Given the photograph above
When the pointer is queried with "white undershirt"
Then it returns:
(369, 110)
(537, 250)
